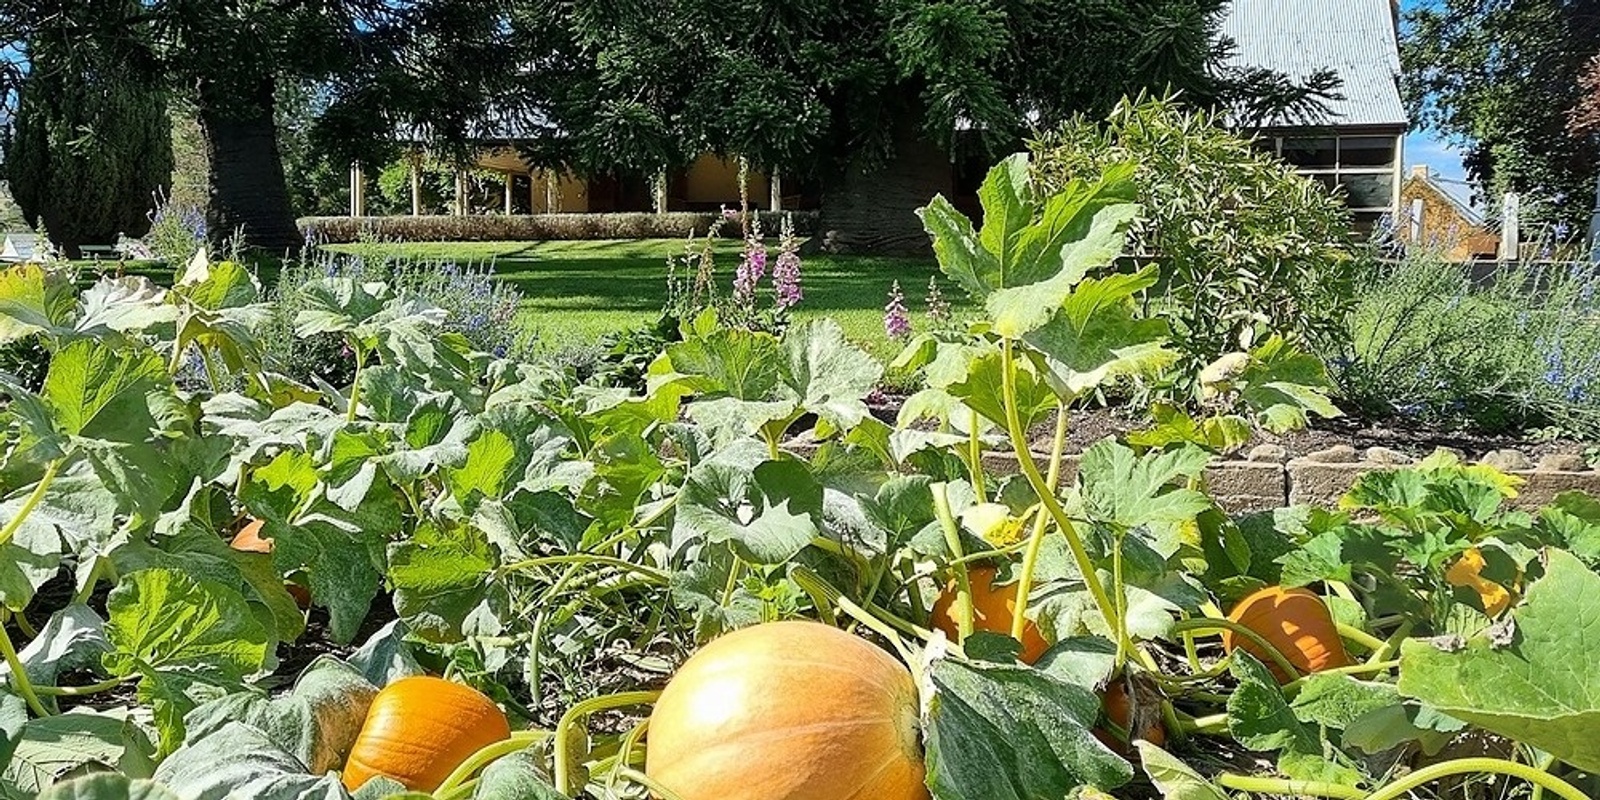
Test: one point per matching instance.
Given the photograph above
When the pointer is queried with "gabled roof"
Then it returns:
(1450, 191)
(1355, 38)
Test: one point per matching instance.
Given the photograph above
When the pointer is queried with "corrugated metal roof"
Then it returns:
(1355, 38)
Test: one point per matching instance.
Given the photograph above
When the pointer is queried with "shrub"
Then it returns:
(1242, 242)
(1431, 342)
(177, 231)
(477, 306)
(537, 227)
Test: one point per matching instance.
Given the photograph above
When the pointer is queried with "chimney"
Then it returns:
(1420, 171)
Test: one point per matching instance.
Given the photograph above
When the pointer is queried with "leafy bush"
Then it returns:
(1508, 352)
(537, 227)
(1242, 242)
(177, 231)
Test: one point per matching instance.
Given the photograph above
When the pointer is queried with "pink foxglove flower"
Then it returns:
(786, 271)
(896, 320)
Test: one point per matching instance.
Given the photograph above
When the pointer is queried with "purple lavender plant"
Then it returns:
(896, 319)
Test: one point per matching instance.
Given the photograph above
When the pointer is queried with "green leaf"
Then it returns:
(73, 639)
(831, 376)
(1132, 490)
(1540, 688)
(440, 575)
(519, 776)
(317, 721)
(961, 255)
(34, 299)
(334, 305)
(1258, 715)
(1096, 337)
(769, 513)
(13, 717)
(51, 747)
(119, 305)
(996, 732)
(99, 393)
(1283, 386)
(242, 761)
(108, 786)
(216, 286)
(1173, 778)
(1008, 208)
(1022, 308)
(1335, 701)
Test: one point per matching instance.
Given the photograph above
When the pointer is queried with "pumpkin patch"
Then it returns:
(1293, 621)
(992, 610)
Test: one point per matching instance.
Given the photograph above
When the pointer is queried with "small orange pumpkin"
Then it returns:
(992, 609)
(1294, 621)
(788, 711)
(249, 539)
(1118, 708)
(419, 729)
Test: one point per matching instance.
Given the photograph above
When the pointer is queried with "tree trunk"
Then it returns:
(875, 210)
(248, 191)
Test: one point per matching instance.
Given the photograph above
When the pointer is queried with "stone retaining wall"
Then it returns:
(1268, 478)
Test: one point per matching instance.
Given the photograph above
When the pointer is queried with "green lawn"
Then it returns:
(576, 291)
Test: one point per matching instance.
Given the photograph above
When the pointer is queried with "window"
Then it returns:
(1364, 167)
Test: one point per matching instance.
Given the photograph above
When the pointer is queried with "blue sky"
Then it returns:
(1426, 147)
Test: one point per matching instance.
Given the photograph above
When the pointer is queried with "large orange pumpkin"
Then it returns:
(788, 711)
(992, 609)
(1294, 621)
(419, 729)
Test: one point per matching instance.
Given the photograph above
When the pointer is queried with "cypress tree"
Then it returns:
(92, 144)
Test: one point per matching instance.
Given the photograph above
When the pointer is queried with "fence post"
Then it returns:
(1510, 227)
(1594, 227)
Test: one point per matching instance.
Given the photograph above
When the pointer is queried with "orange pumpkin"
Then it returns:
(1294, 621)
(992, 609)
(249, 539)
(1119, 709)
(788, 711)
(419, 729)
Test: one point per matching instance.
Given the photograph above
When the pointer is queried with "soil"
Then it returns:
(1089, 426)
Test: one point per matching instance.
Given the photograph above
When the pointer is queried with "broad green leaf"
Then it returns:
(1096, 336)
(385, 657)
(769, 512)
(519, 776)
(317, 721)
(1335, 701)
(108, 786)
(51, 747)
(831, 376)
(487, 469)
(1283, 386)
(73, 639)
(440, 575)
(241, 761)
(1073, 222)
(34, 299)
(982, 391)
(119, 305)
(98, 392)
(1132, 490)
(1008, 208)
(1173, 778)
(335, 305)
(998, 732)
(1384, 729)
(961, 255)
(164, 619)
(13, 717)
(1021, 308)
(1260, 719)
(728, 362)
(216, 286)
(1540, 689)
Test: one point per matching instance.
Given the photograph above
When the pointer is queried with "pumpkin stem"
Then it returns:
(1208, 624)
(1030, 559)
(19, 675)
(1360, 637)
(564, 729)
(952, 539)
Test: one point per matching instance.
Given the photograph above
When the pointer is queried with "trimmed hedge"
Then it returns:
(538, 227)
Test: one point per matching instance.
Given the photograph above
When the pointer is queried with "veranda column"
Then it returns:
(552, 192)
(661, 192)
(350, 186)
(775, 182)
(358, 195)
(416, 186)
(533, 194)
(461, 193)
(508, 194)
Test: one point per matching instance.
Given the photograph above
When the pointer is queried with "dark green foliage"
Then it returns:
(1244, 244)
(1502, 79)
(864, 97)
(91, 146)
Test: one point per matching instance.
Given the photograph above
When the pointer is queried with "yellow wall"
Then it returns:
(573, 194)
(712, 179)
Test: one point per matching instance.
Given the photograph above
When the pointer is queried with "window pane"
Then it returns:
(1366, 151)
(1311, 153)
(1368, 191)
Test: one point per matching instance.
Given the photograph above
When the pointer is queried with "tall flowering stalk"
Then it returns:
(938, 307)
(896, 319)
(786, 270)
(752, 265)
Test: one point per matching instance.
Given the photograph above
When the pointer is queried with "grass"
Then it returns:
(578, 291)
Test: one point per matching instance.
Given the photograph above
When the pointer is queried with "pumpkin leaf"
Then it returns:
(997, 732)
(108, 786)
(768, 513)
(317, 721)
(1130, 490)
(1539, 688)
(1335, 701)
(440, 575)
(1261, 719)
(240, 760)
(1173, 778)
(51, 747)
(519, 776)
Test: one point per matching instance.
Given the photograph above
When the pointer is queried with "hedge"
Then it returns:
(537, 227)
